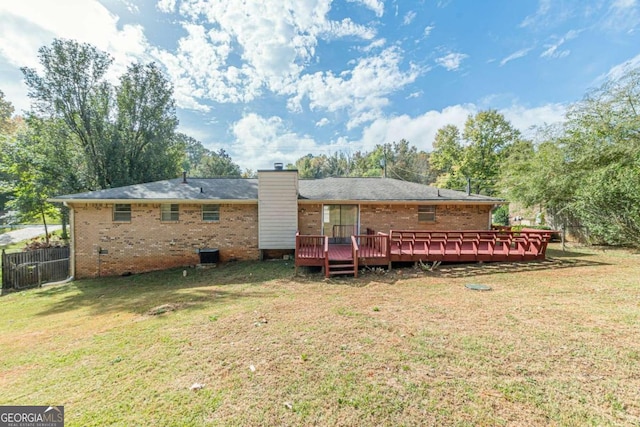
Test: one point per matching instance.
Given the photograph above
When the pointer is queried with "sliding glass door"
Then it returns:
(340, 222)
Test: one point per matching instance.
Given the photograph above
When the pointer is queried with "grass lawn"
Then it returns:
(553, 343)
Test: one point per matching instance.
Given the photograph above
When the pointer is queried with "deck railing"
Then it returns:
(526, 244)
(419, 245)
(373, 245)
(355, 249)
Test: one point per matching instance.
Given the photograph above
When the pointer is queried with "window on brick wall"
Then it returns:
(169, 212)
(426, 213)
(211, 213)
(121, 212)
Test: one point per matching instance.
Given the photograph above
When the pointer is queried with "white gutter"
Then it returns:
(156, 201)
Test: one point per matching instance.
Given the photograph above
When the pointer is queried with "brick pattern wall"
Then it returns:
(381, 217)
(310, 219)
(147, 244)
(405, 217)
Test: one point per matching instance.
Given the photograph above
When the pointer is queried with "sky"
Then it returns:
(273, 80)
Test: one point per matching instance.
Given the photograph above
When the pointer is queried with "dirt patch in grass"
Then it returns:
(552, 343)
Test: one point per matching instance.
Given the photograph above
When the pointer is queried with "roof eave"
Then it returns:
(154, 201)
(405, 202)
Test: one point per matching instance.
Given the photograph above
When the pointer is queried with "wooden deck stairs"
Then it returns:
(338, 267)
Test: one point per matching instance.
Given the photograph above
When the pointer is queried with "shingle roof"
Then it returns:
(240, 189)
(175, 189)
(387, 189)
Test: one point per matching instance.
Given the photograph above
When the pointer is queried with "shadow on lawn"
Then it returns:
(556, 259)
(470, 270)
(141, 293)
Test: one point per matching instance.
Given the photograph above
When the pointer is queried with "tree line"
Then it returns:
(85, 133)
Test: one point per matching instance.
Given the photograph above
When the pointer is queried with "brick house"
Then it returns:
(169, 223)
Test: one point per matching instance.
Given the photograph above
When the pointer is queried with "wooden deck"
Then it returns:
(377, 249)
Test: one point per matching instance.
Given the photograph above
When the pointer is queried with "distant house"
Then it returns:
(171, 223)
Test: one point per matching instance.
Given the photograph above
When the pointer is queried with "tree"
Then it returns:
(404, 161)
(476, 155)
(217, 165)
(144, 142)
(8, 128)
(6, 111)
(126, 133)
(488, 136)
(73, 88)
(446, 158)
(587, 172)
(31, 185)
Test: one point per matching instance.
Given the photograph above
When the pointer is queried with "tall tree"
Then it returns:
(446, 158)
(73, 88)
(144, 138)
(477, 154)
(127, 132)
(488, 134)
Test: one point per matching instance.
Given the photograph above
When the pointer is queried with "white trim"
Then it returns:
(403, 202)
(157, 201)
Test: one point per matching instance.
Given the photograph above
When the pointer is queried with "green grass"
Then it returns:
(553, 343)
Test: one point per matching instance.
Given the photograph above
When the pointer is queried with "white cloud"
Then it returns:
(419, 131)
(322, 122)
(376, 44)
(526, 119)
(622, 15)
(235, 52)
(553, 50)
(376, 5)
(428, 29)
(166, 6)
(619, 70)
(544, 6)
(261, 141)
(515, 55)
(451, 61)
(25, 27)
(362, 91)
(409, 17)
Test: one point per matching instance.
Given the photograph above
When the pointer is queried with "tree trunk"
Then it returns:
(46, 230)
(64, 215)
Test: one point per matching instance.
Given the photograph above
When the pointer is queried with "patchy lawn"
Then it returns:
(553, 343)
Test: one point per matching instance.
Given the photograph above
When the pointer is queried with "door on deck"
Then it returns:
(340, 222)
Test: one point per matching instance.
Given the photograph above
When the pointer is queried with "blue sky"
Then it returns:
(273, 80)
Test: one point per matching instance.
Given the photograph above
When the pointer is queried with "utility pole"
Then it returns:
(383, 161)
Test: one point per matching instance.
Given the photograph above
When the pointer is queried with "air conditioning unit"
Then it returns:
(209, 256)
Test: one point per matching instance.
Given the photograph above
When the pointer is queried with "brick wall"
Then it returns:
(384, 217)
(310, 219)
(405, 217)
(147, 244)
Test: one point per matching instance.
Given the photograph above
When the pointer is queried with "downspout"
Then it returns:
(72, 241)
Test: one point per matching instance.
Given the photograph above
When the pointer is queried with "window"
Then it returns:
(121, 212)
(426, 213)
(211, 212)
(169, 212)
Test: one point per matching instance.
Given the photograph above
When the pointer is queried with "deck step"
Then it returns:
(335, 269)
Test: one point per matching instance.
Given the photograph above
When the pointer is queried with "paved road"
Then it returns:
(25, 234)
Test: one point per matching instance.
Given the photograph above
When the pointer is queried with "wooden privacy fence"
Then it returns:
(33, 268)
